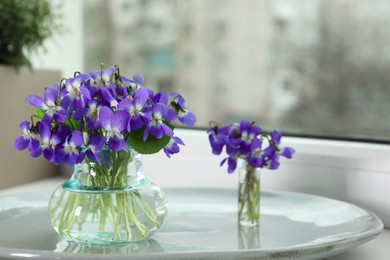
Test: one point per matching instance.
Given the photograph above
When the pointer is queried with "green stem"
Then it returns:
(249, 196)
(124, 214)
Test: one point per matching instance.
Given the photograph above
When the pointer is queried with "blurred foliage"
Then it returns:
(24, 25)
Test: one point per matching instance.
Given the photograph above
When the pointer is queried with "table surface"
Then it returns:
(376, 249)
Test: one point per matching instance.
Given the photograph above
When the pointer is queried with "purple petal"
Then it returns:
(47, 118)
(232, 164)
(274, 163)
(55, 139)
(180, 99)
(105, 116)
(182, 102)
(139, 79)
(51, 93)
(36, 101)
(276, 136)
(94, 141)
(93, 91)
(94, 156)
(231, 149)
(77, 138)
(59, 118)
(49, 155)
(101, 143)
(36, 152)
(125, 105)
(107, 96)
(67, 104)
(79, 113)
(178, 140)
(63, 132)
(141, 96)
(24, 126)
(188, 118)
(78, 80)
(21, 143)
(256, 144)
(166, 151)
(159, 108)
(172, 149)
(288, 152)
(245, 126)
(108, 72)
(85, 92)
(161, 97)
(95, 73)
(136, 123)
(60, 157)
(146, 132)
(72, 159)
(216, 145)
(33, 144)
(170, 115)
(117, 144)
(80, 157)
(157, 131)
(223, 161)
(44, 131)
(269, 151)
(167, 130)
(120, 120)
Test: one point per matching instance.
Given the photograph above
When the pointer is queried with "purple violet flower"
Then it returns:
(287, 152)
(276, 137)
(108, 97)
(156, 126)
(50, 140)
(249, 134)
(232, 163)
(102, 77)
(114, 125)
(137, 117)
(71, 153)
(217, 142)
(75, 94)
(91, 113)
(173, 146)
(93, 145)
(48, 104)
(244, 140)
(28, 139)
(180, 111)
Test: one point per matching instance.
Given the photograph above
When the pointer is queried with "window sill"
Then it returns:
(355, 172)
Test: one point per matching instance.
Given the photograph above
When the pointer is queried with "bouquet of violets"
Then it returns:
(100, 121)
(78, 116)
(257, 149)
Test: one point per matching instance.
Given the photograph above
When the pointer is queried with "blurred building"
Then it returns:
(191, 46)
(222, 61)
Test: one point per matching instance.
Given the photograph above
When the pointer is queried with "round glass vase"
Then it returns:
(248, 195)
(111, 203)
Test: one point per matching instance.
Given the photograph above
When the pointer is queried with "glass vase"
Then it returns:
(248, 195)
(109, 203)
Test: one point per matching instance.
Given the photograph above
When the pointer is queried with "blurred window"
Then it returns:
(318, 67)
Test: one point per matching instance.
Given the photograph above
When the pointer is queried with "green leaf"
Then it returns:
(151, 145)
(40, 113)
(72, 124)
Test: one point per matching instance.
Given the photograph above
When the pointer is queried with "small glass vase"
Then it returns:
(248, 195)
(111, 203)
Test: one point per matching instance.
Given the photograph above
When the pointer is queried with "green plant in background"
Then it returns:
(24, 25)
